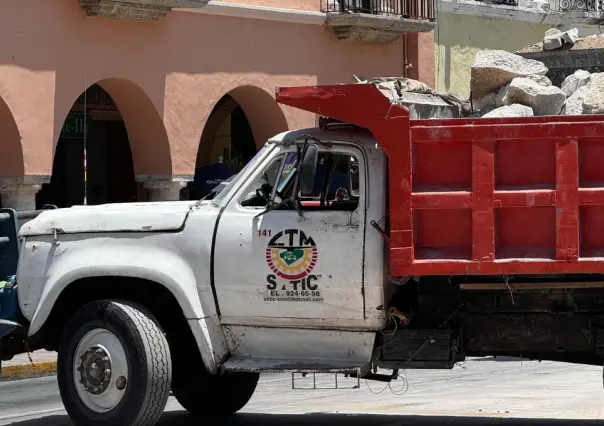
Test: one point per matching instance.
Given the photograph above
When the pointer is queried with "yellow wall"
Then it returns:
(458, 38)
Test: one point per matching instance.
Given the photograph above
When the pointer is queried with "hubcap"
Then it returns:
(100, 370)
(95, 370)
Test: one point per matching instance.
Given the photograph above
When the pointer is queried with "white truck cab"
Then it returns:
(324, 254)
(141, 298)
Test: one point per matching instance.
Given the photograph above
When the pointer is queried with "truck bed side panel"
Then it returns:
(481, 196)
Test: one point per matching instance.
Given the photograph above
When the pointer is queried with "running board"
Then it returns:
(257, 365)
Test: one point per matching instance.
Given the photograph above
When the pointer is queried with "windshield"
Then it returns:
(232, 181)
(218, 188)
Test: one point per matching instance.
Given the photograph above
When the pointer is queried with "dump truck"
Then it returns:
(368, 245)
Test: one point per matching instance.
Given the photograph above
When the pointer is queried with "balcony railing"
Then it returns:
(580, 6)
(408, 9)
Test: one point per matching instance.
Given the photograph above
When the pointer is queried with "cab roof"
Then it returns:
(348, 134)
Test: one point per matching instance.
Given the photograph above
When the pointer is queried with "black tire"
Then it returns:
(147, 357)
(216, 395)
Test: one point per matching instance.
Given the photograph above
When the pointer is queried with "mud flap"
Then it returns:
(420, 349)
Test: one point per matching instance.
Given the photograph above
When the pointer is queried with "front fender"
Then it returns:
(74, 260)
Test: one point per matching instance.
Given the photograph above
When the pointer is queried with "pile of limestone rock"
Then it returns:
(554, 39)
(421, 100)
(504, 84)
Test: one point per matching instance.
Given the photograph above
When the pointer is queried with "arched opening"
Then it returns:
(239, 124)
(12, 163)
(112, 134)
(93, 132)
(11, 158)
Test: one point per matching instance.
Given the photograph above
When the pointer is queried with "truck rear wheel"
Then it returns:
(216, 395)
(114, 366)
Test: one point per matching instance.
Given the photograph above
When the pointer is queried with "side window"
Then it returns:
(260, 192)
(336, 185)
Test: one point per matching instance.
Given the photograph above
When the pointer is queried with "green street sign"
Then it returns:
(73, 127)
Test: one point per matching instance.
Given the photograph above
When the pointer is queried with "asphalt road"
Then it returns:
(481, 393)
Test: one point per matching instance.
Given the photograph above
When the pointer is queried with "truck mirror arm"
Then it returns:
(273, 206)
(296, 201)
(295, 198)
(380, 231)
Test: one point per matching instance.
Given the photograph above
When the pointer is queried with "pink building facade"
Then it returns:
(165, 79)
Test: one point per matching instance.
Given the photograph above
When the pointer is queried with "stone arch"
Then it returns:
(147, 134)
(12, 163)
(262, 111)
(264, 115)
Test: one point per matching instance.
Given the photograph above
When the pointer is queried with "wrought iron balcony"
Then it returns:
(589, 6)
(135, 10)
(379, 21)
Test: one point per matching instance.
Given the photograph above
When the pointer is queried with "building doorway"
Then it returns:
(227, 144)
(96, 124)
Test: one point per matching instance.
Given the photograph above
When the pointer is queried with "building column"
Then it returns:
(163, 187)
(19, 193)
(420, 54)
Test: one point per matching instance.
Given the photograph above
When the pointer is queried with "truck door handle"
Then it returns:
(344, 228)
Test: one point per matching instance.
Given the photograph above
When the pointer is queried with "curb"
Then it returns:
(28, 371)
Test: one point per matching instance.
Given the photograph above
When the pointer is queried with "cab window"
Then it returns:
(259, 193)
(336, 185)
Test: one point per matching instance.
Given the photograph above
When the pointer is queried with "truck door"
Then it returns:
(283, 267)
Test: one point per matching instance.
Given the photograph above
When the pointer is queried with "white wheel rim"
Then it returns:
(100, 370)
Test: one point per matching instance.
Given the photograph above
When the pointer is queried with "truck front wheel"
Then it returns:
(114, 366)
(216, 395)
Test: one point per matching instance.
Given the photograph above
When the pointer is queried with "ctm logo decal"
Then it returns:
(291, 254)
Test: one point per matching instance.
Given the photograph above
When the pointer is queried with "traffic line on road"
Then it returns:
(28, 371)
(31, 414)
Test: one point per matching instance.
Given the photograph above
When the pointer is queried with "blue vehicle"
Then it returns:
(10, 315)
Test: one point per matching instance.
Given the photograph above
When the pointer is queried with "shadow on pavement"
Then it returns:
(184, 419)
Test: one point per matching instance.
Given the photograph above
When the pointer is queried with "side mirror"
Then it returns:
(308, 170)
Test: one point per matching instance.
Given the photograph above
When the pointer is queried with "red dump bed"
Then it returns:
(481, 196)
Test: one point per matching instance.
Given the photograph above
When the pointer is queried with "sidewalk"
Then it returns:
(20, 367)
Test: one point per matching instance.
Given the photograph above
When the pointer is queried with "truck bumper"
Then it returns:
(7, 327)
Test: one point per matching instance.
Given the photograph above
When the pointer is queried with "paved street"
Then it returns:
(489, 393)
